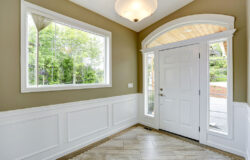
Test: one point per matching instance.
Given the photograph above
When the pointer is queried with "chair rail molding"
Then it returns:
(50, 132)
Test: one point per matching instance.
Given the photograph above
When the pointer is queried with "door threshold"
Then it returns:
(178, 135)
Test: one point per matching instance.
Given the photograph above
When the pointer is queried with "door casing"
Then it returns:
(204, 79)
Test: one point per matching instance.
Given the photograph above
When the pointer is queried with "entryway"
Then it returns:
(179, 90)
(184, 61)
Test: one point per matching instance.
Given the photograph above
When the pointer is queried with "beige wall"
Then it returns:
(236, 8)
(126, 64)
(124, 58)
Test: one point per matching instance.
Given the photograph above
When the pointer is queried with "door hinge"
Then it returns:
(199, 92)
(199, 129)
(199, 55)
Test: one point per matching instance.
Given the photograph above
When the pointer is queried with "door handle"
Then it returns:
(162, 95)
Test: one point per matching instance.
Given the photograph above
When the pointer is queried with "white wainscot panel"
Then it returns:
(248, 149)
(146, 120)
(24, 137)
(124, 111)
(236, 144)
(50, 132)
(82, 123)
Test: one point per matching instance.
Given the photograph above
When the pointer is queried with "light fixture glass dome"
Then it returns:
(135, 10)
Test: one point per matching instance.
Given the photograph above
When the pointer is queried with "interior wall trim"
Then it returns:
(50, 132)
(248, 134)
(237, 145)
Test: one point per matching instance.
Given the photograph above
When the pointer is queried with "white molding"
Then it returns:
(129, 118)
(33, 118)
(60, 116)
(65, 106)
(90, 141)
(204, 74)
(230, 103)
(238, 143)
(235, 142)
(248, 134)
(227, 148)
(89, 133)
(62, 19)
(192, 41)
(218, 19)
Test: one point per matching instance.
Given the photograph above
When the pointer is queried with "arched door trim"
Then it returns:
(217, 19)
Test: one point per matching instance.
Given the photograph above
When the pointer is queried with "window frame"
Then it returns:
(230, 117)
(145, 84)
(26, 8)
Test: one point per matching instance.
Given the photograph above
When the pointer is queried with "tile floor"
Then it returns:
(140, 144)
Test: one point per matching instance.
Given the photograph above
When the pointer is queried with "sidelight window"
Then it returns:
(149, 85)
(218, 86)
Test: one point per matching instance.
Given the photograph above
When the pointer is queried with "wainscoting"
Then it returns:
(236, 144)
(49, 132)
(248, 146)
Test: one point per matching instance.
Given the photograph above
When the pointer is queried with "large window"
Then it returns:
(63, 54)
(218, 70)
(149, 85)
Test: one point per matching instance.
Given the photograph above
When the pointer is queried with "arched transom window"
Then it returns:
(188, 27)
(186, 32)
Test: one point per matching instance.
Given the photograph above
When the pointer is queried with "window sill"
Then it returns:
(217, 133)
(62, 87)
(149, 116)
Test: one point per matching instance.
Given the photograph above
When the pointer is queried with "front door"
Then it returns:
(179, 91)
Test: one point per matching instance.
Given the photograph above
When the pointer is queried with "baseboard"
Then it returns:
(235, 144)
(99, 140)
(227, 149)
(50, 132)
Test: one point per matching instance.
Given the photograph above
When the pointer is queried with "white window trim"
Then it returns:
(29, 7)
(227, 21)
(204, 79)
(145, 85)
(217, 19)
(229, 134)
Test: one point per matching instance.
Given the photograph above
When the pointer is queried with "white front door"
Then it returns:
(179, 91)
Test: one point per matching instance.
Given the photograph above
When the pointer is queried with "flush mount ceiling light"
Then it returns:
(135, 10)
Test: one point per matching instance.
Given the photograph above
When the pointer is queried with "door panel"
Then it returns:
(179, 100)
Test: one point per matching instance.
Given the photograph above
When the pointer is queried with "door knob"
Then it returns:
(161, 89)
(161, 94)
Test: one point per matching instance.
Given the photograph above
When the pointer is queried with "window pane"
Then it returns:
(66, 55)
(218, 86)
(186, 32)
(32, 48)
(150, 84)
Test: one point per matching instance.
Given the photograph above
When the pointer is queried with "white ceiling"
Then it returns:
(106, 9)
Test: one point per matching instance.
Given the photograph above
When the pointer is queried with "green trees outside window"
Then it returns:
(59, 54)
(218, 62)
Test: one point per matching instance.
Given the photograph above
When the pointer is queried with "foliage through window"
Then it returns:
(58, 54)
(218, 67)
(150, 85)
